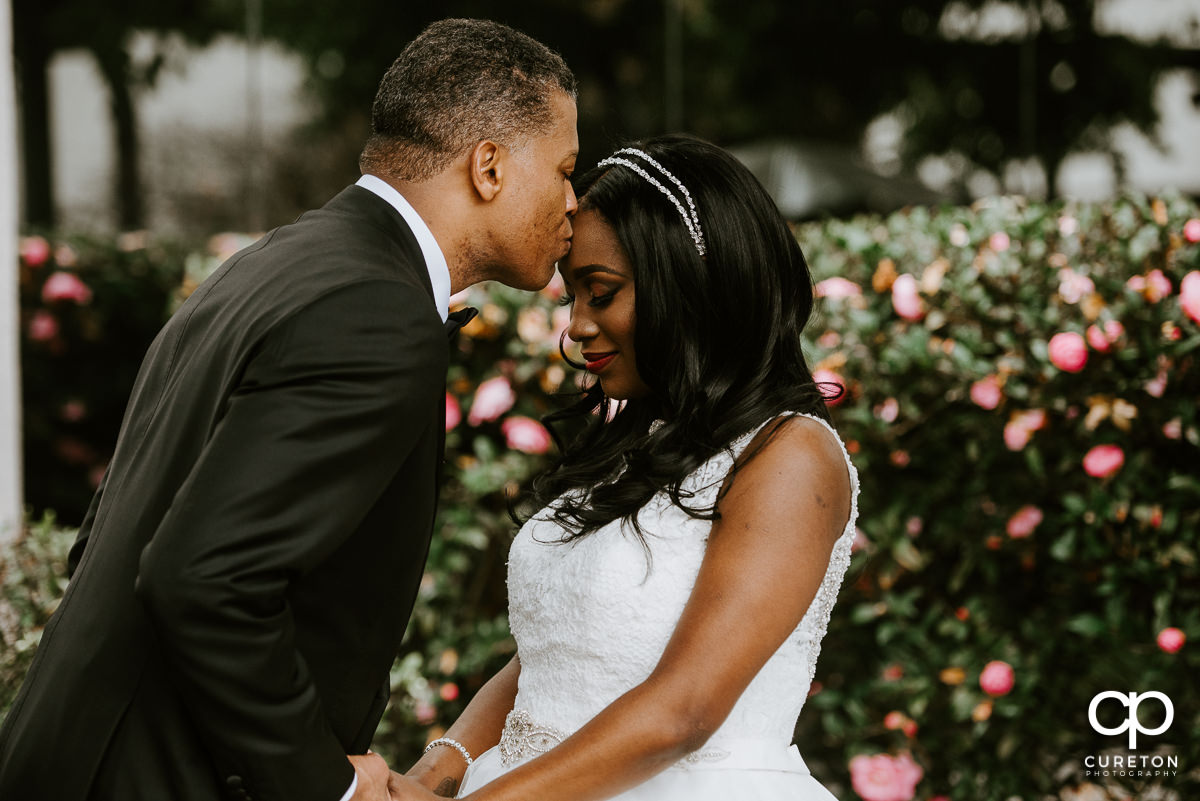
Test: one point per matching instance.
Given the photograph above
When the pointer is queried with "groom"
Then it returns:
(246, 570)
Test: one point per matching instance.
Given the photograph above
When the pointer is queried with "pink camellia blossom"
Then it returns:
(893, 720)
(885, 778)
(1102, 338)
(1103, 461)
(34, 250)
(1189, 295)
(453, 412)
(987, 392)
(905, 298)
(1158, 286)
(888, 411)
(1073, 286)
(1171, 639)
(1024, 521)
(824, 375)
(66, 286)
(996, 678)
(73, 411)
(914, 525)
(1173, 428)
(526, 435)
(860, 540)
(909, 727)
(448, 691)
(493, 398)
(1191, 230)
(43, 326)
(1156, 387)
(999, 242)
(1021, 426)
(1068, 351)
(837, 287)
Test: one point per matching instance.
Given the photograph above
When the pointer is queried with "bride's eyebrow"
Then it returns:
(589, 269)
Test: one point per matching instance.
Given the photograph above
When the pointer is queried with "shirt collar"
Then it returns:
(435, 260)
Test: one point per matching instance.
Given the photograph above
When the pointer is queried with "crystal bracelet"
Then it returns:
(455, 744)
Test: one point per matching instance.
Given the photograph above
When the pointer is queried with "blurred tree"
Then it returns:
(989, 81)
(43, 27)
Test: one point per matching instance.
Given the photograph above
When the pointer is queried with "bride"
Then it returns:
(669, 599)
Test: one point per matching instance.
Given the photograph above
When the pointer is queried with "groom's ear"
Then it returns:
(487, 169)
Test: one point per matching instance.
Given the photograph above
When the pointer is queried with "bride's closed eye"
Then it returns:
(596, 301)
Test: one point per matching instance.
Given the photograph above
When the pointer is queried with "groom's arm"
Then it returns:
(323, 417)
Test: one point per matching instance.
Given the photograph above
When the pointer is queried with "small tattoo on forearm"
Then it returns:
(447, 788)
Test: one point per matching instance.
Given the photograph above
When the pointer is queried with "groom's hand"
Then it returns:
(372, 774)
(404, 788)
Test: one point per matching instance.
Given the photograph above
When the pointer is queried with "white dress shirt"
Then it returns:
(435, 260)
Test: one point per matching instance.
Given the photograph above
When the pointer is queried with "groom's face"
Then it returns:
(539, 202)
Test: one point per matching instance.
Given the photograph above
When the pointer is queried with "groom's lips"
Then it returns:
(598, 361)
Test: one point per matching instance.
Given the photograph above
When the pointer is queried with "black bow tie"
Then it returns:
(457, 320)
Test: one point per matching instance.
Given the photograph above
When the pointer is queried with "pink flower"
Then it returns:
(1068, 351)
(888, 411)
(525, 435)
(905, 299)
(860, 540)
(893, 672)
(43, 326)
(1024, 521)
(1158, 286)
(34, 250)
(999, 242)
(1021, 426)
(996, 678)
(1103, 461)
(914, 526)
(893, 720)
(1073, 286)
(1173, 428)
(425, 712)
(493, 398)
(448, 691)
(837, 287)
(1171, 639)
(900, 457)
(987, 392)
(1189, 294)
(66, 286)
(885, 778)
(1102, 339)
(825, 376)
(73, 411)
(1191, 230)
(453, 412)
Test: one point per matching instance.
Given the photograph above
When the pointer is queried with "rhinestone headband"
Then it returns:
(690, 218)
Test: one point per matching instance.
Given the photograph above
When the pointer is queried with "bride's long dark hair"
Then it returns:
(718, 338)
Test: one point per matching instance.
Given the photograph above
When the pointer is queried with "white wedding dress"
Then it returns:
(592, 618)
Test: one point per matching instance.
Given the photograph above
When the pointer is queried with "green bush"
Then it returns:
(89, 309)
(984, 537)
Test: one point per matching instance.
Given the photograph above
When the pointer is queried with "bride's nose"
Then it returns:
(582, 327)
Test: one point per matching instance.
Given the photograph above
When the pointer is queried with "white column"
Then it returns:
(10, 364)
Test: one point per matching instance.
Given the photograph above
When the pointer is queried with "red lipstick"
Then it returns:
(598, 361)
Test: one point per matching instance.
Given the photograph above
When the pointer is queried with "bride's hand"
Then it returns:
(403, 788)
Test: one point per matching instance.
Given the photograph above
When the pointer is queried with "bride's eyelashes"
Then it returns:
(596, 301)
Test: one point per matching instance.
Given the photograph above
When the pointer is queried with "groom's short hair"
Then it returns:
(460, 82)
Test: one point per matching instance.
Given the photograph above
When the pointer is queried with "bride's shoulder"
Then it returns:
(790, 457)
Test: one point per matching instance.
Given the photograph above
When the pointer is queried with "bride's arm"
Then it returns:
(478, 728)
(765, 560)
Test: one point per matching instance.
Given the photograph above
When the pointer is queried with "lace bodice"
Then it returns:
(592, 617)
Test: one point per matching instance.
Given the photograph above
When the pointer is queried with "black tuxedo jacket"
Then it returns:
(246, 570)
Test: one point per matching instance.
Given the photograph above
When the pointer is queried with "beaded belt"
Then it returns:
(524, 738)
